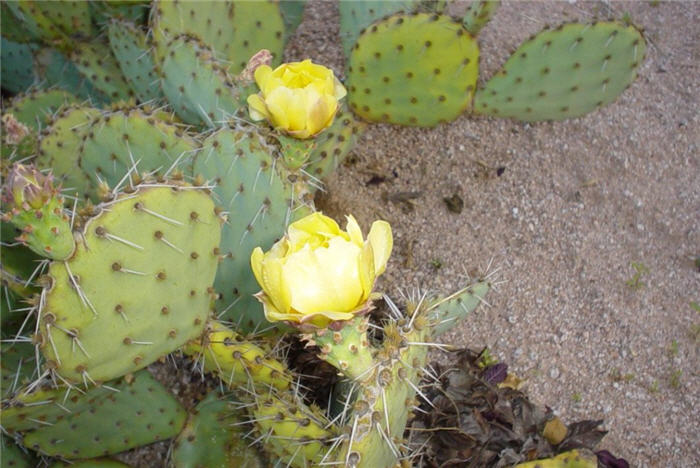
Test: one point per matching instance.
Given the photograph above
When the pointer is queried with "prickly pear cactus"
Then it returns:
(261, 197)
(478, 14)
(213, 437)
(137, 287)
(35, 206)
(564, 73)
(417, 70)
(130, 413)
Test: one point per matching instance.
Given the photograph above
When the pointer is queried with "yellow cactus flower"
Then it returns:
(299, 98)
(317, 273)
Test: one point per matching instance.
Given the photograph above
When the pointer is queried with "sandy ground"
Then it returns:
(576, 207)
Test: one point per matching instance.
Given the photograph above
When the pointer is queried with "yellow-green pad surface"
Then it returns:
(417, 70)
(137, 287)
(564, 73)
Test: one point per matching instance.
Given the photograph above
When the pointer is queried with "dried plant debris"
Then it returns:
(476, 417)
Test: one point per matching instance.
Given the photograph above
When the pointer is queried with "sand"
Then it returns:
(577, 205)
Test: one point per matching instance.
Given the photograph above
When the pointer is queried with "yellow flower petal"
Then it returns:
(273, 284)
(256, 261)
(257, 108)
(354, 230)
(262, 75)
(339, 90)
(382, 242)
(366, 270)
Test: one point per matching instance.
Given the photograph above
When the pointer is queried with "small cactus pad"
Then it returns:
(97, 64)
(197, 85)
(36, 109)
(137, 411)
(137, 287)
(238, 362)
(233, 30)
(16, 66)
(132, 140)
(33, 204)
(571, 459)
(564, 73)
(129, 46)
(478, 14)
(417, 70)
(261, 198)
(59, 146)
(444, 313)
(213, 438)
(334, 144)
(356, 16)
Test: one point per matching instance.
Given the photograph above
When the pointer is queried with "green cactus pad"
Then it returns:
(16, 66)
(135, 11)
(417, 70)
(478, 14)
(36, 109)
(261, 198)
(56, 71)
(121, 140)
(197, 85)
(15, 457)
(137, 287)
(355, 16)
(97, 64)
(17, 368)
(34, 21)
(213, 438)
(333, 145)
(238, 362)
(564, 73)
(346, 349)
(12, 27)
(571, 459)
(136, 413)
(71, 18)
(444, 313)
(233, 30)
(59, 147)
(131, 50)
(292, 14)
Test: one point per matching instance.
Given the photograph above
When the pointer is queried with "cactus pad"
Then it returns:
(478, 14)
(97, 64)
(59, 146)
(261, 197)
(448, 311)
(197, 85)
(129, 46)
(238, 362)
(137, 287)
(36, 109)
(141, 411)
(122, 140)
(417, 70)
(16, 66)
(15, 457)
(356, 16)
(233, 31)
(213, 438)
(334, 144)
(564, 73)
